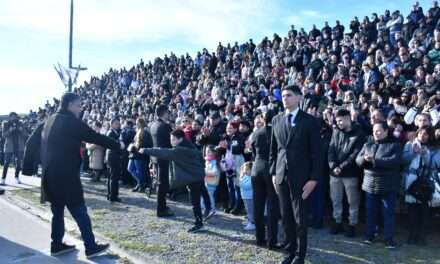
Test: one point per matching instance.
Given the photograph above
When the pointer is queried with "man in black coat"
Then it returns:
(160, 132)
(295, 166)
(264, 191)
(114, 162)
(58, 141)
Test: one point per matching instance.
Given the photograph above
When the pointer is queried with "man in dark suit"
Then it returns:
(160, 132)
(114, 162)
(264, 192)
(295, 166)
(58, 141)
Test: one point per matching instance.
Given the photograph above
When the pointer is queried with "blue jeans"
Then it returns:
(82, 219)
(234, 193)
(137, 170)
(385, 202)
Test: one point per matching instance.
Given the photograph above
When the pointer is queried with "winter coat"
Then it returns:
(382, 174)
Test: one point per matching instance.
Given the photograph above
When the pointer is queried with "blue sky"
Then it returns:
(116, 33)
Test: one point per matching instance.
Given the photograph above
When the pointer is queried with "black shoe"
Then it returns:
(136, 188)
(98, 249)
(236, 211)
(351, 231)
(61, 249)
(228, 210)
(115, 200)
(165, 213)
(2, 191)
(275, 247)
(288, 260)
(390, 244)
(336, 228)
(197, 228)
(142, 188)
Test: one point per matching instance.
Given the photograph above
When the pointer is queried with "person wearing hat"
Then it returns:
(58, 140)
(15, 138)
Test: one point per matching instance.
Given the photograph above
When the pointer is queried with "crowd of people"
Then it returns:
(372, 89)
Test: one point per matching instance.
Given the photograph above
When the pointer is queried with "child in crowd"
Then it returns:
(247, 194)
(212, 178)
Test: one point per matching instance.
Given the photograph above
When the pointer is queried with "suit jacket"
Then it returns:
(113, 156)
(295, 151)
(261, 149)
(160, 133)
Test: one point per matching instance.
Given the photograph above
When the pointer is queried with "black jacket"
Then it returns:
(114, 156)
(296, 151)
(160, 134)
(343, 150)
(216, 134)
(261, 149)
(187, 164)
(382, 175)
(59, 145)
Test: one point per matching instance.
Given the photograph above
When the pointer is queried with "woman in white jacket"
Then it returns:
(418, 154)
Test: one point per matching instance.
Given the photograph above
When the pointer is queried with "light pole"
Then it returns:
(70, 44)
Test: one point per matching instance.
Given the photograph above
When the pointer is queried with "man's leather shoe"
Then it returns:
(275, 246)
(165, 213)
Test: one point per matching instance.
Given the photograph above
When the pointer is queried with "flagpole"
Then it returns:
(70, 44)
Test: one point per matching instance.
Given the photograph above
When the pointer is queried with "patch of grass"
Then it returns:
(112, 236)
(147, 248)
(243, 254)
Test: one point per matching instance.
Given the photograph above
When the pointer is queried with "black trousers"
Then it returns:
(265, 195)
(113, 180)
(162, 173)
(204, 193)
(294, 211)
(418, 215)
(194, 192)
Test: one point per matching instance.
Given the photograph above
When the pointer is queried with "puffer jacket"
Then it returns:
(343, 149)
(412, 164)
(382, 174)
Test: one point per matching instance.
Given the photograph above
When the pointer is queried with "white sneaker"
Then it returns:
(249, 227)
(17, 180)
(3, 182)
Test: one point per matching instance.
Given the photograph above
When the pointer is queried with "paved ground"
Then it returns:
(26, 239)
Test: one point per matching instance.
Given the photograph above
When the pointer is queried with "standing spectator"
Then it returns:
(380, 159)
(423, 161)
(138, 164)
(247, 194)
(212, 179)
(232, 148)
(15, 137)
(264, 191)
(347, 140)
(97, 155)
(296, 166)
(59, 140)
(160, 132)
(127, 136)
(114, 162)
